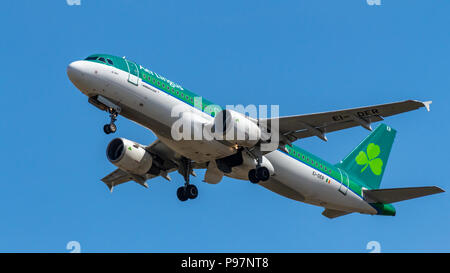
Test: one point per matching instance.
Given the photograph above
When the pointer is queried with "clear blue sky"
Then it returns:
(306, 56)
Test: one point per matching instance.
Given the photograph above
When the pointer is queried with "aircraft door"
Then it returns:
(345, 182)
(133, 72)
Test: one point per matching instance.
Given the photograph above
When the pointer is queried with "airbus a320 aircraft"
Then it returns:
(121, 87)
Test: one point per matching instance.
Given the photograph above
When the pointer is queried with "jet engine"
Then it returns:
(236, 128)
(129, 156)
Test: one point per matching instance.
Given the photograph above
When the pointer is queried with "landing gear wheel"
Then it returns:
(252, 176)
(109, 128)
(192, 191)
(106, 129)
(182, 194)
(112, 127)
(263, 173)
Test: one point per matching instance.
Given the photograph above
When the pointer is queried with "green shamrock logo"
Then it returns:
(370, 159)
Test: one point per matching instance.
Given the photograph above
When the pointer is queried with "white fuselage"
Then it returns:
(152, 108)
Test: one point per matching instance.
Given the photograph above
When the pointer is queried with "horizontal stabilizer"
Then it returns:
(332, 213)
(387, 196)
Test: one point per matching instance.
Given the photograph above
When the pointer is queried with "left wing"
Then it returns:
(165, 159)
(292, 128)
(119, 176)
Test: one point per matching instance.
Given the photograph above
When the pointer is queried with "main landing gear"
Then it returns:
(111, 126)
(188, 191)
(260, 173)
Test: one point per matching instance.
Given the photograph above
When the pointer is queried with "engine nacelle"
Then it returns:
(236, 128)
(129, 156)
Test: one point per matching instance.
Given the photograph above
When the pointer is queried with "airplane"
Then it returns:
(120, 86)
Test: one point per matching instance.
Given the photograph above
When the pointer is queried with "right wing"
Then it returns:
(291, 128)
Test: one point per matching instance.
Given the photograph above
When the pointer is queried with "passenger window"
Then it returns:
(102, 60)
(110, 62)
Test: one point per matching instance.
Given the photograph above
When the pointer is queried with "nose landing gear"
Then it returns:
(111, 126)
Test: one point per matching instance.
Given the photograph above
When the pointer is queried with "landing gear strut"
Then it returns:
(260, 173)
(188, 191)
(111, 126)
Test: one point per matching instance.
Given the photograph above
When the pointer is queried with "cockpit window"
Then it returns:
(110, 62)
(93, 58)
(102, 60)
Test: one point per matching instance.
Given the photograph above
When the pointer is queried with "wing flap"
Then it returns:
(388, 196)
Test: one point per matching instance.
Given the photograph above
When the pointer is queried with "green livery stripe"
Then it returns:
(159, 82)
(330, 170)
(324, 167)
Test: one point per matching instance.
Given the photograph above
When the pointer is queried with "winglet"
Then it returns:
(427, 104)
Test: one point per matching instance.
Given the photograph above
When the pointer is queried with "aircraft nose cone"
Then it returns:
(75, 71)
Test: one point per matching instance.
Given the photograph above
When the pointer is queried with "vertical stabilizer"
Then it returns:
(368, 161)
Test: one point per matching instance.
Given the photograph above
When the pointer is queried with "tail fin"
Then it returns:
(368, 161)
